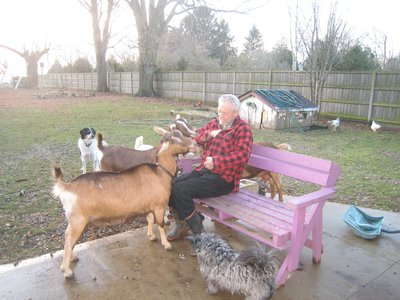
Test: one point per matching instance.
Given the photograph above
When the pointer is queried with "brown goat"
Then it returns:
(117, 158)
(104, 198)
(267, 176)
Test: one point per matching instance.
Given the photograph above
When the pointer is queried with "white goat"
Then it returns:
(105, 198)
(140, 146)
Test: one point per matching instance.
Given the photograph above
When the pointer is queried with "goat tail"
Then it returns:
(100, 141)
(285, 147)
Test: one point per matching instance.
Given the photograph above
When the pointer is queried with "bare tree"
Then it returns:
(320, 50)
(101, 36)
(151, 23)
(31, 59)
(152, 18)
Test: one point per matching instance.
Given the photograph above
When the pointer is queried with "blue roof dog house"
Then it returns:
(277, 109)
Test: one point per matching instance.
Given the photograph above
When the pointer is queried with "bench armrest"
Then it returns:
(311, 198)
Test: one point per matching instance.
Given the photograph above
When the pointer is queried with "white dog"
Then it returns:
(87, 144)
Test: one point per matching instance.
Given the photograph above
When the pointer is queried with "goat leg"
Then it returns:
(277, 183)
(159, 215)
(72, 234)
(272, 185)
(150, 221)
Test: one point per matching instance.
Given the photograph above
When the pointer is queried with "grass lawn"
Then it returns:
(37, 133)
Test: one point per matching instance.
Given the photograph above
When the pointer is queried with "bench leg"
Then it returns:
(296, 244)
(317, 238)
(282, 274)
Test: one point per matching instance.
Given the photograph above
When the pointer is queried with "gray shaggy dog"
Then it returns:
(251, 272)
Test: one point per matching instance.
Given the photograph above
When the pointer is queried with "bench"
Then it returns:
(289, 225)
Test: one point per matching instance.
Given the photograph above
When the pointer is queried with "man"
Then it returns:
(227, 143)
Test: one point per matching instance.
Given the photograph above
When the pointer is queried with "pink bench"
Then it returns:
(288, 226)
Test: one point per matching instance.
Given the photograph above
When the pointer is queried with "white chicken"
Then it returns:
(375, 126)
(334, 123)
(140, 146)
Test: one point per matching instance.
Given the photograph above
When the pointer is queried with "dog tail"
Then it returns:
(100, 141)
(258, 256)
(284, 146)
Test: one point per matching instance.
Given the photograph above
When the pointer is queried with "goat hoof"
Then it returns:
(152, 237)
(68, 274)
(74, 258)
(168, 246)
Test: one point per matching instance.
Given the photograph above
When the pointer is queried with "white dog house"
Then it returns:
(277, 109)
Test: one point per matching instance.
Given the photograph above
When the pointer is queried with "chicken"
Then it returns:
(375, 126)
(334, 123)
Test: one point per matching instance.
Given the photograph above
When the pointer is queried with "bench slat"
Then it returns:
(299, 166)
(265, 205)
(294, 158)
(249, 213)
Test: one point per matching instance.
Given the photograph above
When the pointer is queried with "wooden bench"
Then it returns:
(289, 226)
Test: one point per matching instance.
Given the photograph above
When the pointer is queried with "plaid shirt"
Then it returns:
(230, 149)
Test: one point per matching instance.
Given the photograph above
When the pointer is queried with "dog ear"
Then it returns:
(93, 130)
(191, 238)
(82, 132)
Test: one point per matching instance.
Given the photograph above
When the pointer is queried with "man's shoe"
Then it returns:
(181, 230)
(195, 223)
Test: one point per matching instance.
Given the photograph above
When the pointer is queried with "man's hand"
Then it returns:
(209, 164)
(215, 132)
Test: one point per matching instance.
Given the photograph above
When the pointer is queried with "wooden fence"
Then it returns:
(360, 96)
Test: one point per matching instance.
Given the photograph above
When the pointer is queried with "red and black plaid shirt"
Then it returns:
(230, 149)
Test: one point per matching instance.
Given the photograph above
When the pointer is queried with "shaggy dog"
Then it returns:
(251, 272)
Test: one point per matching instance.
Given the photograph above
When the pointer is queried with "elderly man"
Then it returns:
(227, 143)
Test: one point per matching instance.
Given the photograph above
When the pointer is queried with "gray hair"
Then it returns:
(231, 99)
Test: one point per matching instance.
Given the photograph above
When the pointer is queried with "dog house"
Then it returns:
(277, 109)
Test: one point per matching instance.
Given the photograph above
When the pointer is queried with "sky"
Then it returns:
(65, 26)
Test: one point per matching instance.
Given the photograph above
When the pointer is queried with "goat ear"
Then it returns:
(172, 127)
(159, 130)
(178, 116)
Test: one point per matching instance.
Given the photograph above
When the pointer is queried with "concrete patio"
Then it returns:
(128, 266)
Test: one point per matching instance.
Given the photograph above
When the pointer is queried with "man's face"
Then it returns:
(226, 114)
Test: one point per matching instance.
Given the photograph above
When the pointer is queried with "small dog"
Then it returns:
(87, 145)
(251, 272)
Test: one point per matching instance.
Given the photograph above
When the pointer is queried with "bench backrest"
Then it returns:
(303, 167)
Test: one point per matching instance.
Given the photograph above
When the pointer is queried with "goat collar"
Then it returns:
(165, 170)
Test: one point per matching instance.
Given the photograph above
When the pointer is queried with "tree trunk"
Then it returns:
(146, 78)
(151, 22)
(101, 36)
(148, 48)
(102, 84)
(32, 71)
